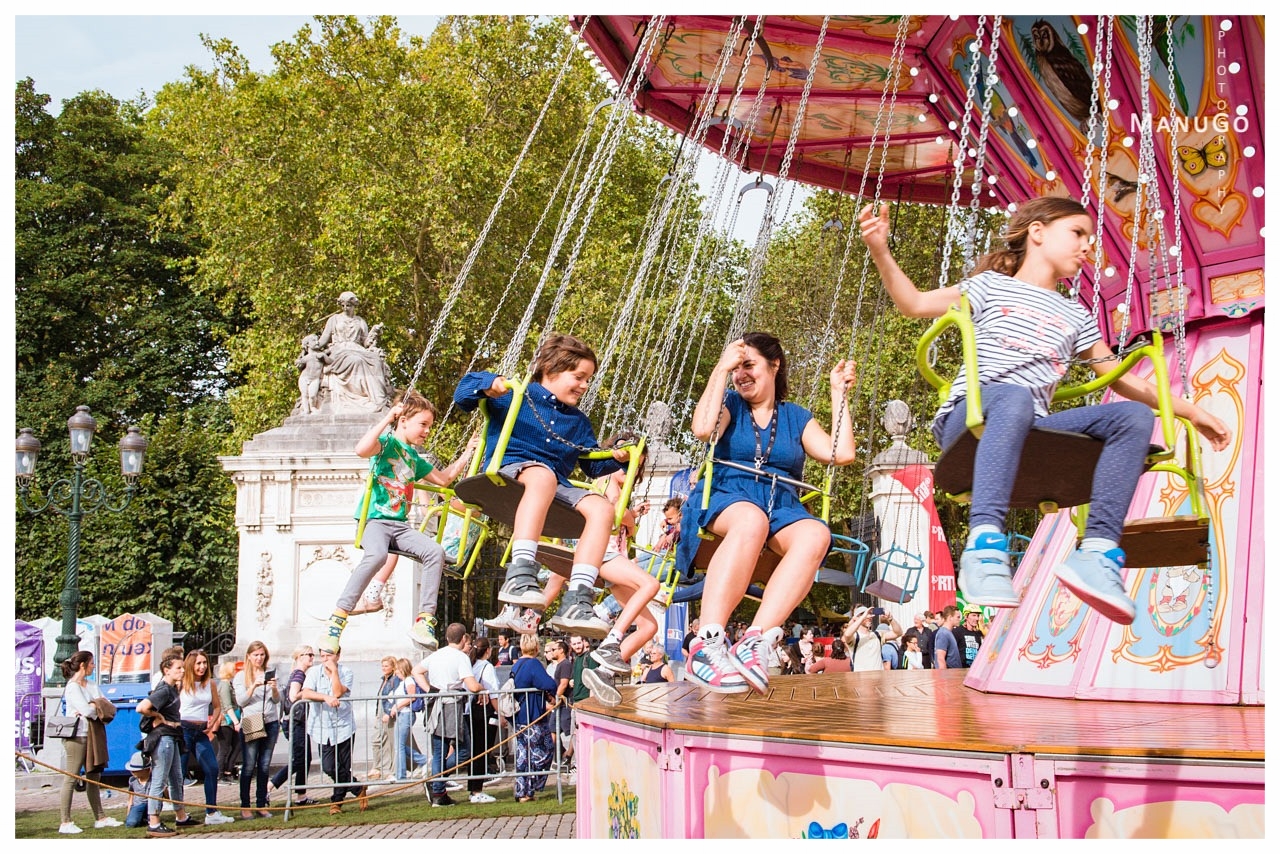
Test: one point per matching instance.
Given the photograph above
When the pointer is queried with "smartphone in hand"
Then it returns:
(877, 611)
(269, 675)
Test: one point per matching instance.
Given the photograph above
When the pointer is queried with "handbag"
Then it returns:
(61, 726)
(253, 727)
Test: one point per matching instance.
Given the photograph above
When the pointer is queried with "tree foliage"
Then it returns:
(106, 317)
(368, 161)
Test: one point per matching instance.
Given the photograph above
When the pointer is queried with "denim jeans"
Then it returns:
(405, 745)
(299, 758)
(1124, 427)
(166, 770)
(198, 744)
(460, 760)
(257, 762)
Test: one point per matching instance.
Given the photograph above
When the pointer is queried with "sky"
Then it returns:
(127, 54)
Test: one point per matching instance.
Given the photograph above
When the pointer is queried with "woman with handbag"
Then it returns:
(201, 713)
(89, 737)
(259, 700)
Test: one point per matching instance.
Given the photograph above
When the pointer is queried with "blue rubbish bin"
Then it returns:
(123, 733)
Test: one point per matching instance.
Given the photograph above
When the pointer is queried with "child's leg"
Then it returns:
(539, 484)
(576, 613)
(376, 542)
(634, 588)
(1009, 415)
(1093, 572)
(372, 599)
(1125, 430)
(430, 557)
(520, 587)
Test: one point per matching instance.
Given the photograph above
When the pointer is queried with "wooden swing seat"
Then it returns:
(1056, 468)
(500, 500)
(1167, 541)
(766, 563)
(556, 557)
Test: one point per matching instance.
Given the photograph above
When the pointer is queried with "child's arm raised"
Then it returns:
(1136, 388)
(476, 386)
(370, 443)
(909, 299)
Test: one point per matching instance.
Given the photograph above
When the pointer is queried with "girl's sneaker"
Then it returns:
(1095, 577)
(504, 618)
(711, 667)
(423, 634)
(748, 655)
(525, 622)
(985, 574)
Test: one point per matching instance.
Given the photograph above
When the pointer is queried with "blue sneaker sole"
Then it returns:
(1120, 611)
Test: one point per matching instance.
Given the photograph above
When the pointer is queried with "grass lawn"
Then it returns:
(388, 809)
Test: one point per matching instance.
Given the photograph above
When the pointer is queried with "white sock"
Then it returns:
(980, 529)
(1098, 544)
(712, 633)
(374, 590)
(584, 575)
(524, 550)
(772, 636)
(614, 637)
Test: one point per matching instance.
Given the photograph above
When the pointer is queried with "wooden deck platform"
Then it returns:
(932, 710)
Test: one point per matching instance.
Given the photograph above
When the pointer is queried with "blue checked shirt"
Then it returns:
(529, 440)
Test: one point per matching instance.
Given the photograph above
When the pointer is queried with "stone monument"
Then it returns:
(903, 521)
(297, 490)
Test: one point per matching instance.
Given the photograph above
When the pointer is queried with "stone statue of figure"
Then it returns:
(356, 375)
(311, 366)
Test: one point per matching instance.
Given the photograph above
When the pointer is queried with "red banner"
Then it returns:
(942, 572)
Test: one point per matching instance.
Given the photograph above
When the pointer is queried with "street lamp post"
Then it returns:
(74, 498)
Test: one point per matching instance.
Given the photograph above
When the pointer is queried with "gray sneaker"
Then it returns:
(609, 656)
(576, 616)
(600, 684)
(521, 585)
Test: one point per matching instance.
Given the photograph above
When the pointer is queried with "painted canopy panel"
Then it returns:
(1040, 109)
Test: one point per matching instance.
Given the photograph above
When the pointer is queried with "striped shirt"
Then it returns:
(1025, 335)
(553, 445)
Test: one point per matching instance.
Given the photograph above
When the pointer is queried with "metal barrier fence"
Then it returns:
(399, 751)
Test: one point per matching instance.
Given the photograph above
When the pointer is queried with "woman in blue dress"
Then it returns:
(755, 427)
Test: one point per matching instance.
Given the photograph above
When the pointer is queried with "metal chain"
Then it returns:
(962, 147)
(760, 251)
(1143, 179)
(1099, 255)
(1086, 183)
(1180, 329)
(980, 156)
(456, 290)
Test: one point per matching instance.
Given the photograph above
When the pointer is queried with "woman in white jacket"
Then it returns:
(78, 697)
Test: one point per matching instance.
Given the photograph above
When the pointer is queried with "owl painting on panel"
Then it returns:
(1062, 73)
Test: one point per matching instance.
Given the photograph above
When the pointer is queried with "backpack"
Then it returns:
(508, 705)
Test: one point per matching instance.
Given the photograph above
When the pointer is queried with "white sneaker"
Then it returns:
(482, 798)
(217, 818)
(107, 821)
(69, 827)
(504, 618)
(526, 622)
(452, 786)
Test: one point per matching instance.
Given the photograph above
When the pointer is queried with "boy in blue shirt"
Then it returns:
(396, 467)
(542, 452)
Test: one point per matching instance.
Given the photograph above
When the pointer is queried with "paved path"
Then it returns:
(40, 791)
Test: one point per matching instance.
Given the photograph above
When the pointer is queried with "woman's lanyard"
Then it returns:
(762, 456)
